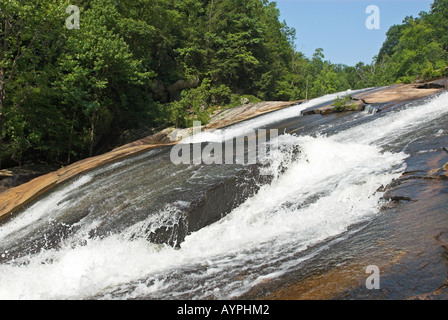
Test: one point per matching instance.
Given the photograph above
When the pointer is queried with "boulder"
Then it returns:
(354, 105)
(358, 105)
(244, 101)
(176, 88)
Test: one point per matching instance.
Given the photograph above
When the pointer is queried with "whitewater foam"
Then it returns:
(330, 184)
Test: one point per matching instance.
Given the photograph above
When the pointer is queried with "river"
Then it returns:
(145, 228)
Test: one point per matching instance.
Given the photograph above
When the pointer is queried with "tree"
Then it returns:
(23, 25)
(389, 47)
(97, 62)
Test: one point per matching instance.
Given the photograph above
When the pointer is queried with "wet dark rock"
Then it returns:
(397, 198)
(401, 190)
(212, 206)
(427, 162)
(307, 112)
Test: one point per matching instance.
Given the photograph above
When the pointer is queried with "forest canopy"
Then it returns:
(136, 66)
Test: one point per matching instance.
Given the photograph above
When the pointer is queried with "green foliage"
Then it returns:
(418, 47)
(198, 104)
(74, 92)
(238, 100)
(142, 65)
(342, 104)
(177, 114)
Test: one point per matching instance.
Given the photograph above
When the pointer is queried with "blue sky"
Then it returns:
(339, 26)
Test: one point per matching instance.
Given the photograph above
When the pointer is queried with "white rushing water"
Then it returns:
(331, 185)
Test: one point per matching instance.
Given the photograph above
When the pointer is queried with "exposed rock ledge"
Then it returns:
(387, 96)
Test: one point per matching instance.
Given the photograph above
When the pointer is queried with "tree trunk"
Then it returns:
(2, 98)
(1, 130)
(210, 17)
(306, 93)
(92, 134)
(70, 140)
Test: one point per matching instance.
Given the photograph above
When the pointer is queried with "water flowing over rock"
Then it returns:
(341, 191)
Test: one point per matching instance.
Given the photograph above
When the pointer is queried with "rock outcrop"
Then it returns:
(353, 105)
(397, 94)
(176, 88)
(387, 97)
(226, 117)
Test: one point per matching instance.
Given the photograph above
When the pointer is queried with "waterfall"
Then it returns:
(89, 238)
